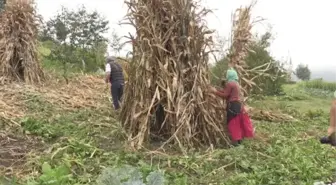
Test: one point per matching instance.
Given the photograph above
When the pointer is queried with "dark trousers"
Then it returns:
(117, 90)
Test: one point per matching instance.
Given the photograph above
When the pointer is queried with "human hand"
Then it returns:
(212, 89)
(107, 80)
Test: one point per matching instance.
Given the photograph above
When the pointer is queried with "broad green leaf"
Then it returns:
(46, 168)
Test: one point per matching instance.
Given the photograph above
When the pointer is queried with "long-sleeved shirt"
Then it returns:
(230, 92)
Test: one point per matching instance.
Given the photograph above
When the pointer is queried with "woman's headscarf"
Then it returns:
(232, 75)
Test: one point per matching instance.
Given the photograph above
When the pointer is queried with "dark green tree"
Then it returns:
(272, 79)
(303, 72)
(81, 31)
(274, 74)
(115, 42)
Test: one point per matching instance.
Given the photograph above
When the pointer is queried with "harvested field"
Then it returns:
(41, 127)
(14, 153)
(60, 132)
(82, 92)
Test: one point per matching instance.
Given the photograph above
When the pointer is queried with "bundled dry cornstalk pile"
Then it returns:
(169, 76)
(18, 43)
(240, 42)
(263, 115)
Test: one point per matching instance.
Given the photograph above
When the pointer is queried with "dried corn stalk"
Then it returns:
(240, 48)
(241, 41)
(18, 43)
(169, 73)
(264, 115)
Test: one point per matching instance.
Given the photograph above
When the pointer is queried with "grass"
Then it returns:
(74, 146)
(297, 99)
(319, 84)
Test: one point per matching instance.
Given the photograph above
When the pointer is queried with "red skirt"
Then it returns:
(241, 127)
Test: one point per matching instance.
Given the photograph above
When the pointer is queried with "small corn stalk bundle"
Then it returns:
(240, 42)
(18, 43)
(240, 47)
(166, 93)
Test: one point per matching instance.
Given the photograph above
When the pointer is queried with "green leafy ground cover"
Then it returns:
(75, 146)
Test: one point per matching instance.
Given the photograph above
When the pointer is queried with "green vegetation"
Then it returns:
(258, 56)
(76, 39)
(69, 134)
(319, 84)
(76, 145)
(303, 72)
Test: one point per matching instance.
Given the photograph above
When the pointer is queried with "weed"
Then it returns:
(39, 128)
(83, 142)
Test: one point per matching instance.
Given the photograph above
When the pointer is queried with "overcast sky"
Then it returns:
(303, 29)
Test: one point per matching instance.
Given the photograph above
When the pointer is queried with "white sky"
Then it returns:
(303, 29)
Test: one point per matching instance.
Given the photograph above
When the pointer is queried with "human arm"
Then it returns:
(332, 127)
(107, 73)
(224, 93)
(107, 77)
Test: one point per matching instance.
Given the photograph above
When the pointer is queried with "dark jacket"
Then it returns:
(117, 74)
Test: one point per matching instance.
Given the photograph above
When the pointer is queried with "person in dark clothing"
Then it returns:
(115, 76)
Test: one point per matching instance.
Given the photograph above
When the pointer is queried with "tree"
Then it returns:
(303, 72)
(218, 71)
(274, 76)
(115, 42)
(82, 31)
(100, 49)
(221, 47)
(270, 83)
(219, 68)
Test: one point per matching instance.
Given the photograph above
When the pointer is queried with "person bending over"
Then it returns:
(239, 123)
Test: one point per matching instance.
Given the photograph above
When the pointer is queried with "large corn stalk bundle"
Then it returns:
(166, 93)
(18, 43)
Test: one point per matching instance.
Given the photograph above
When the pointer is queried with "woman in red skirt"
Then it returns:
(239, 122)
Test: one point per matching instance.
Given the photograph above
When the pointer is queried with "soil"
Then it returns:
(14, 151)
